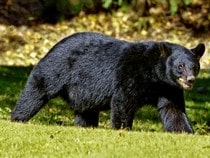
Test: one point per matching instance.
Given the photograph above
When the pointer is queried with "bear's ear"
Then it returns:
(165, 49)
(199, 50)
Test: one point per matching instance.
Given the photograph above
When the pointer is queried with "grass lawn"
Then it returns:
(32, 140)
(51, 133)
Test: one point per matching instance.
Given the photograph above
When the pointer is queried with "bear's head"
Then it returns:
(181, 64)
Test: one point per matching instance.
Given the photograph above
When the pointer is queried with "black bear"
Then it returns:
(95, 72)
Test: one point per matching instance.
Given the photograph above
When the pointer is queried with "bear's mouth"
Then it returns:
(184, 84)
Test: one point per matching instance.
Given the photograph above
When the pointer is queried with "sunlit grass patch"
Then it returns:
(33, 140)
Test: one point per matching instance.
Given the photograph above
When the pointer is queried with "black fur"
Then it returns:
(94, 72)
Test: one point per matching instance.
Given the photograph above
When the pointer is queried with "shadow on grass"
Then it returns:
(12, 81)
(201, 92)
(198, 101)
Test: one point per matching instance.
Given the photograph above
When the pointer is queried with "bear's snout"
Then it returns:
(191, 79)
(186, 82)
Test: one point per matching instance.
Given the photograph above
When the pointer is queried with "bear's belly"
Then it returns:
(148, 96)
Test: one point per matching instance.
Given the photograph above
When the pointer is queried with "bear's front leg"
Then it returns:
(173, 116)
(121, 119)
(122, 111)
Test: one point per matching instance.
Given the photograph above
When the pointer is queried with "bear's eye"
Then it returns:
(194, 68)
(181, 66)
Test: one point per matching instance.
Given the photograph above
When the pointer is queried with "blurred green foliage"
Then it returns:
(193, 13)
(53, 10)
(174, 5)
(72, 7)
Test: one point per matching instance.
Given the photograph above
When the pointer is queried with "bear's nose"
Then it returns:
(191, 79)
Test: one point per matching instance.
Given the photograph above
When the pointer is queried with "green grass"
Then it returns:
(51, 133)
(32, 140)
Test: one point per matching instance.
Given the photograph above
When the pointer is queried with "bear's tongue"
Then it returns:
(188, 85)
(185, 84)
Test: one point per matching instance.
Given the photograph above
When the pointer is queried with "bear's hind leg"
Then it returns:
(31, 100)
(87, 118)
